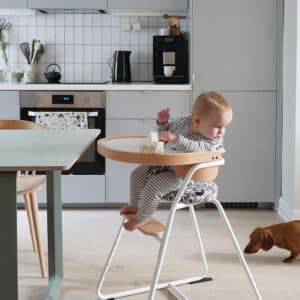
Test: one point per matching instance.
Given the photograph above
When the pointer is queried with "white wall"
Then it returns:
(291, 126)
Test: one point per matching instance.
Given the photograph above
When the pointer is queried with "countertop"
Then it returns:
(134, 86)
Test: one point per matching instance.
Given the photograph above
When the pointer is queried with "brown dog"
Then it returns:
(283, 235)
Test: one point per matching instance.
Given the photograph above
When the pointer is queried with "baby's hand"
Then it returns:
(163, 116)
(168, 137)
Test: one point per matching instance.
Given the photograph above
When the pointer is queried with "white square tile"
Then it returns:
(78, 72)
(50, 20)
(78, 20)
(69, 72)
(78, 58)
(20, 58)
(124, 20)
(106, 35)
(153, 21)
(87, 20)
(62, 70)
(143, 72)
(69, 35)
(13, 20)
(87, 35)
(13, 53)
(78, 35)
(134, 38)
(144, 54)
(59, 34)
(97, 20)
(31, 21)
(50, 53)
(106, 53)
(60, 53)
(41, 20)
(41, 33)
(106, 20)
(88, 54)
(134, 56)
(97, 35)
(31, 33)
(97, 74)
(144, 37)
(97, 54)
(87, 72)
(133, 19)
(115, 36)
(69, 53)
(69, 20)
(60, 20)
(115, 21)
(22, 34)
(162, 22)
(50, 35)
(124, 38)
(105, 72)
(144, 21)
(134, 72)
(22, 21)
(13, 35)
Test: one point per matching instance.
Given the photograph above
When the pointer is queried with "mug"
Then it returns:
(168, 70)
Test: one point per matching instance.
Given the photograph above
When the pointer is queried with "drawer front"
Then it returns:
(146, 104)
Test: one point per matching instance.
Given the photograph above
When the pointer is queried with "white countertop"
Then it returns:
(134, 86)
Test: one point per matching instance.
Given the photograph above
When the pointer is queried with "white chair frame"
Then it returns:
(171, 285)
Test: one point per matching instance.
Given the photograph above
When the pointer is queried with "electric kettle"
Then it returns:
(120, 67)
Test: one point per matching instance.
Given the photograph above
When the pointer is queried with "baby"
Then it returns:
(203, 130)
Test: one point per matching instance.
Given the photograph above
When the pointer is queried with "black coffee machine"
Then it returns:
(170, 59)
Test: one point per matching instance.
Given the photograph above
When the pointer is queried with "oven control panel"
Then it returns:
(62, 99)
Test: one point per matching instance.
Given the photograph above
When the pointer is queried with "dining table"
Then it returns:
(51, 151)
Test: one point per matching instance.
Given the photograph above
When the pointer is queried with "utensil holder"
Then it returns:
(32, 73)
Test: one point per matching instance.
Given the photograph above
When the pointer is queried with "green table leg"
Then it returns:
(55, 253)
(8, 237)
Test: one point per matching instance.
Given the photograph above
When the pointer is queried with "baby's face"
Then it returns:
(214, 125)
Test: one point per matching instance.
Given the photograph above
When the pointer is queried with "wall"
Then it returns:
(82, 43)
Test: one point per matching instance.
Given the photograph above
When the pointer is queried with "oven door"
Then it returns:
(90, 162)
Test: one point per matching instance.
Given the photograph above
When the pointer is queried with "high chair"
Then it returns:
(201, 171)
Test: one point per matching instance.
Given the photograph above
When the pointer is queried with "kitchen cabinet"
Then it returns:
(13, 4)
(68, 4)
(165, 5)
(134, 113)
(249, 171)
(234, 44)
(10, 105)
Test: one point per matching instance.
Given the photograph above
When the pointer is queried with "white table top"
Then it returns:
(43, 150)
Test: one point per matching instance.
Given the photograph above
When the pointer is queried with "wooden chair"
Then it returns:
(27, 186)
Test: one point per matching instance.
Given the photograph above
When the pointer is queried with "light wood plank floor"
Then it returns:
(88, 235)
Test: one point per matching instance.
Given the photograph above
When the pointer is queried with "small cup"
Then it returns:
(17, 76)
(164, 31)
(168, 70)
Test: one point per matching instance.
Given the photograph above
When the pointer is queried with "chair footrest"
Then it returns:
(152, 227)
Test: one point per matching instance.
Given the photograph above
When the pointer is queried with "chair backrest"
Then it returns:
(19, 124)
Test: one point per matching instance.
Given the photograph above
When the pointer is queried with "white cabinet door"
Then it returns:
(234, 44)
(118, 173)
(146, 104)
(249, 171)
(68, 4)
(13, 4)
(10, 105)
(169, 5)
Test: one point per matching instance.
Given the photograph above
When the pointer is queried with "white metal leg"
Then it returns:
(237, 246)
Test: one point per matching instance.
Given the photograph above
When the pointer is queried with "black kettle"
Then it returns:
(53, 73)
(120, 67)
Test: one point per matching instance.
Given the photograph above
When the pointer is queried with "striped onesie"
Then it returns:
(150, 184)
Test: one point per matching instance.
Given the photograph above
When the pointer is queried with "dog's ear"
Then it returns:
(267, 241)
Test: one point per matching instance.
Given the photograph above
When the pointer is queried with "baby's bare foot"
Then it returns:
(128, 209)
(132, 224)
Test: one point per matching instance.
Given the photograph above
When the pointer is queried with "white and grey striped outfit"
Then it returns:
(151, 184)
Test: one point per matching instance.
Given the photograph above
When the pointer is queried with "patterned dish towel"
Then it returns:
(62, 119)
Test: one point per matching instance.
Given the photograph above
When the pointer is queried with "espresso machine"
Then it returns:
(170, 59)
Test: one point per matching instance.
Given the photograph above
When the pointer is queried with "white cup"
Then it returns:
(163, 31)
(168, 70)
(136, 27)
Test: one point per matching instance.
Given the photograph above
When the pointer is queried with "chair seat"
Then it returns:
(29, 183)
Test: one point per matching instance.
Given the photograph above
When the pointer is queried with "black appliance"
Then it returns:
(121, 71)
(91, 103)
(170, 59)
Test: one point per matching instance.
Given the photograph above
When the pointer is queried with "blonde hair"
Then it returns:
(209, 102)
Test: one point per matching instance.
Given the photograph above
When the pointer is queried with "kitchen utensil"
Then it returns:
(53, 73)
(35, 50)
(120, 67)
(2, 74)
(32, 48)
(4, 25)
(25, 49)
(39, 53)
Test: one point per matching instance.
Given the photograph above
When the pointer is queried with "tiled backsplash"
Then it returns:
(82, 43)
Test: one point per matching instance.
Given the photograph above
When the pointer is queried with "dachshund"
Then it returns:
(283, 235)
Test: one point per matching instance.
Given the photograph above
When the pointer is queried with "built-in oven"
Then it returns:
(69, 110)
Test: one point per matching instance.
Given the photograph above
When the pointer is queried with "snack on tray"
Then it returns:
(152, 145)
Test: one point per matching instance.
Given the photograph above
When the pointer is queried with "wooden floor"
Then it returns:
(88, 236)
